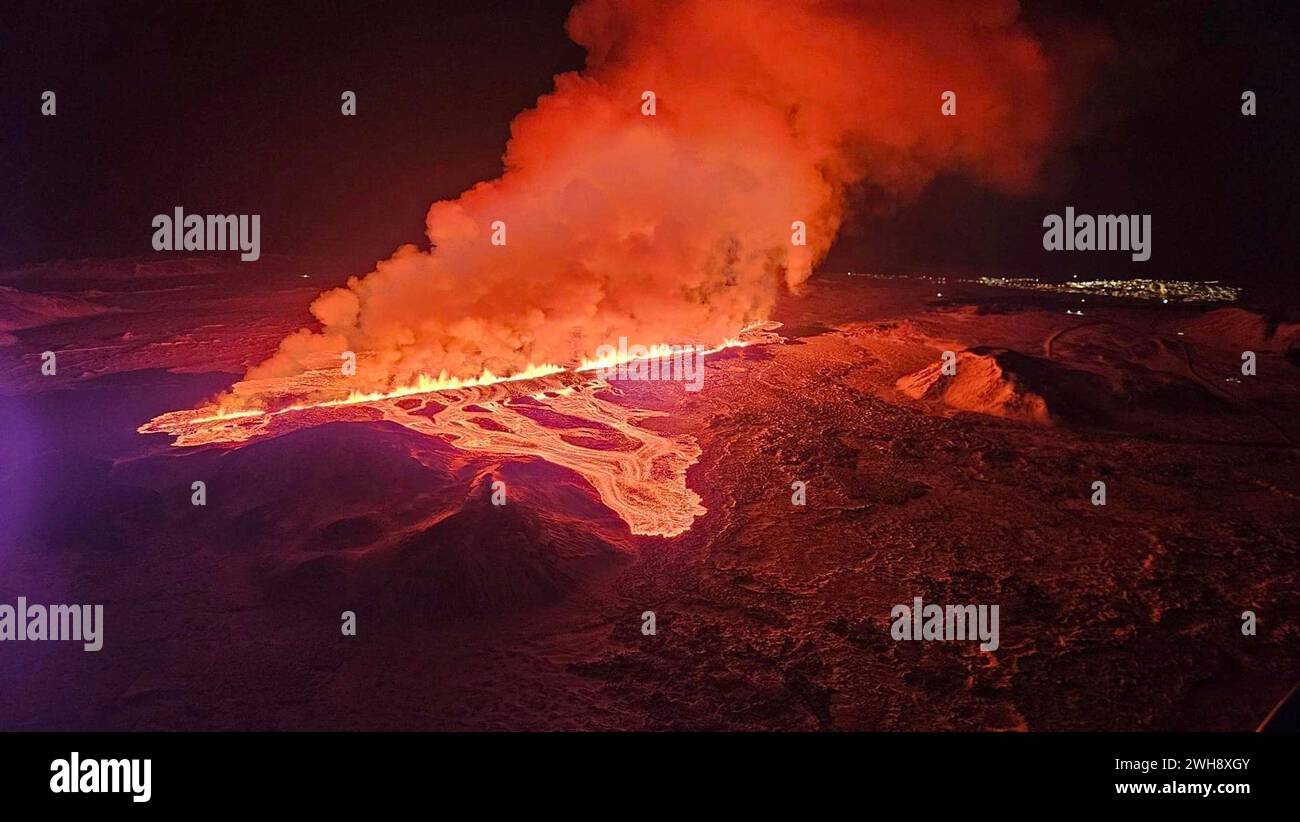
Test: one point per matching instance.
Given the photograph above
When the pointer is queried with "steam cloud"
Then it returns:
(676, 228)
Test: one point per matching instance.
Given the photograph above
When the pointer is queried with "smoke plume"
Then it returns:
(676, 228)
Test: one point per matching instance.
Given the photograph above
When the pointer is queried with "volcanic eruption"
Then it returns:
(700, 163)
(431, 503)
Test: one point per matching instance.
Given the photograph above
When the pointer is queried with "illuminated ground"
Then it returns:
(769, 615)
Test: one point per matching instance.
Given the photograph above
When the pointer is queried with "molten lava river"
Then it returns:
(558, 415)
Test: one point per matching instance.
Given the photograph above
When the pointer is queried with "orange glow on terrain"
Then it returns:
(638, 473)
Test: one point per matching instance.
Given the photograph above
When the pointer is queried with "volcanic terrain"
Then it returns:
(640, 496)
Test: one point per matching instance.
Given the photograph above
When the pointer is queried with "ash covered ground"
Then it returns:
(967, 489)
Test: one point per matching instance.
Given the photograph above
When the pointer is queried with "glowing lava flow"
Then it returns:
(638, 473)
(665, 352)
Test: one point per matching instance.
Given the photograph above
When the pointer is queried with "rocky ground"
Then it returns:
(974, 488)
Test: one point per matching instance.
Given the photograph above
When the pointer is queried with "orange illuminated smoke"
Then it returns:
(680, 226)
(609, 223)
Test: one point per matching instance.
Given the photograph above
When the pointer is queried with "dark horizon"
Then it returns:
(240, 105)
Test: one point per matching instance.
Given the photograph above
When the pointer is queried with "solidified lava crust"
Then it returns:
(973, 489)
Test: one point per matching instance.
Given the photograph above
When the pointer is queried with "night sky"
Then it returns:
(234, 108)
